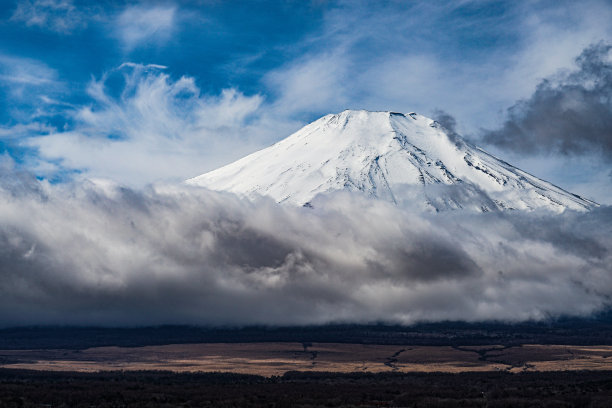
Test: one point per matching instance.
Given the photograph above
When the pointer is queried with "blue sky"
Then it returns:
(141, 92)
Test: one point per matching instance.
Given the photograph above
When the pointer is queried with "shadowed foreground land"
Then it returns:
(355, 366)
(575, 331)
(163, 389)
(274, 359)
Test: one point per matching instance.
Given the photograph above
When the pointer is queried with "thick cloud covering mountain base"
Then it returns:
(96, 254)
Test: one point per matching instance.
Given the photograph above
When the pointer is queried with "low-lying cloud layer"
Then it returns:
(99, 254)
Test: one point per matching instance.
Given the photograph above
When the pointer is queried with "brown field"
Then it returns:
(277, 358)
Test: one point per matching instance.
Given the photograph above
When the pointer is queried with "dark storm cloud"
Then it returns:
(570, 113)
(99, 254)
(448, 122)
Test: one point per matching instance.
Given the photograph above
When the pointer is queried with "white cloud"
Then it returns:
(549, 41)
(19, 72)
(29, 85)
(55, 15)
(23, 130)
(397, 57)
(138, 25)
(307, 85)
(101, 254)
(158, 128)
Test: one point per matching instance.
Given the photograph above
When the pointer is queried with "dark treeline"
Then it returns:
(571, 331)
(162, 389)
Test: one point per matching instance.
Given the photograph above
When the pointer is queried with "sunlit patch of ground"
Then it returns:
(277, 358)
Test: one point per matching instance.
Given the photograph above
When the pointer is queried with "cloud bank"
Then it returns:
(96, 253)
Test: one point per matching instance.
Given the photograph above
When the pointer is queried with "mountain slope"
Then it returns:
(405, 159)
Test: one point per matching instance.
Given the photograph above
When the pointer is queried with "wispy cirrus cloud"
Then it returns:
(142, 125)
(404, 56)
(27, 87)
(61, 16)
(19, 72)
(305, 85)
(141, 24)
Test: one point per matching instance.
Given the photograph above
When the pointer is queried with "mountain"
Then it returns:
(406, 159)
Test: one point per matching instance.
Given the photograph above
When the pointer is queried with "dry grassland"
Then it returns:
(277, 358)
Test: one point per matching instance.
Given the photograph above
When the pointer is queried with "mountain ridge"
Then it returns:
(406, 159)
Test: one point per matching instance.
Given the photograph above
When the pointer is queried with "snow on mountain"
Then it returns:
(407, 159)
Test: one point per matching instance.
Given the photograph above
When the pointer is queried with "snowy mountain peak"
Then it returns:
(407, 159)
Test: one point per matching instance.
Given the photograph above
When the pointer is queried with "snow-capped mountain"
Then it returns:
(402, 158)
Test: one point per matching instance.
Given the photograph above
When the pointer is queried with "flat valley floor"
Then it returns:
(276, 358)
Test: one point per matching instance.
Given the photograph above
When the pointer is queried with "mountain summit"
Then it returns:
(402, 158)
